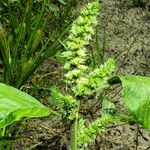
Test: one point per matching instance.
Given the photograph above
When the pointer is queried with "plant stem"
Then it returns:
(74, 133)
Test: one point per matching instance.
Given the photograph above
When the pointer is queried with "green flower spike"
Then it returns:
(80, 34)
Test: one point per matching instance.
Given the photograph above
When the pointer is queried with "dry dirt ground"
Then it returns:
(128, 39)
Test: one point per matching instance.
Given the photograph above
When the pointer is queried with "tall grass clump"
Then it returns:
(29, 34)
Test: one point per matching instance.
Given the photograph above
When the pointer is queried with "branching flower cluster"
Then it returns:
(96, 80)
(83, 79)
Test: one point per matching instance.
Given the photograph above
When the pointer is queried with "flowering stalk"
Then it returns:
(76, 54)
(83, 79)
(80, 35)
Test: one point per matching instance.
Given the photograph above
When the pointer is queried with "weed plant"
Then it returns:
(84, 80)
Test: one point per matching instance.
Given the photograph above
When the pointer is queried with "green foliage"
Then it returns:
(29, 33)
(136, 93)
(15, 105)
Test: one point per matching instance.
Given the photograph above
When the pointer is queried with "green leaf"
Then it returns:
(15, 104)
(136, 93)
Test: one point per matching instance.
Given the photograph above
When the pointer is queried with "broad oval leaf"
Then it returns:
(136, 93)
(15, 104)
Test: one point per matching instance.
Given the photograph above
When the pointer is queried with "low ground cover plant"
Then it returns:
(82, 80)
